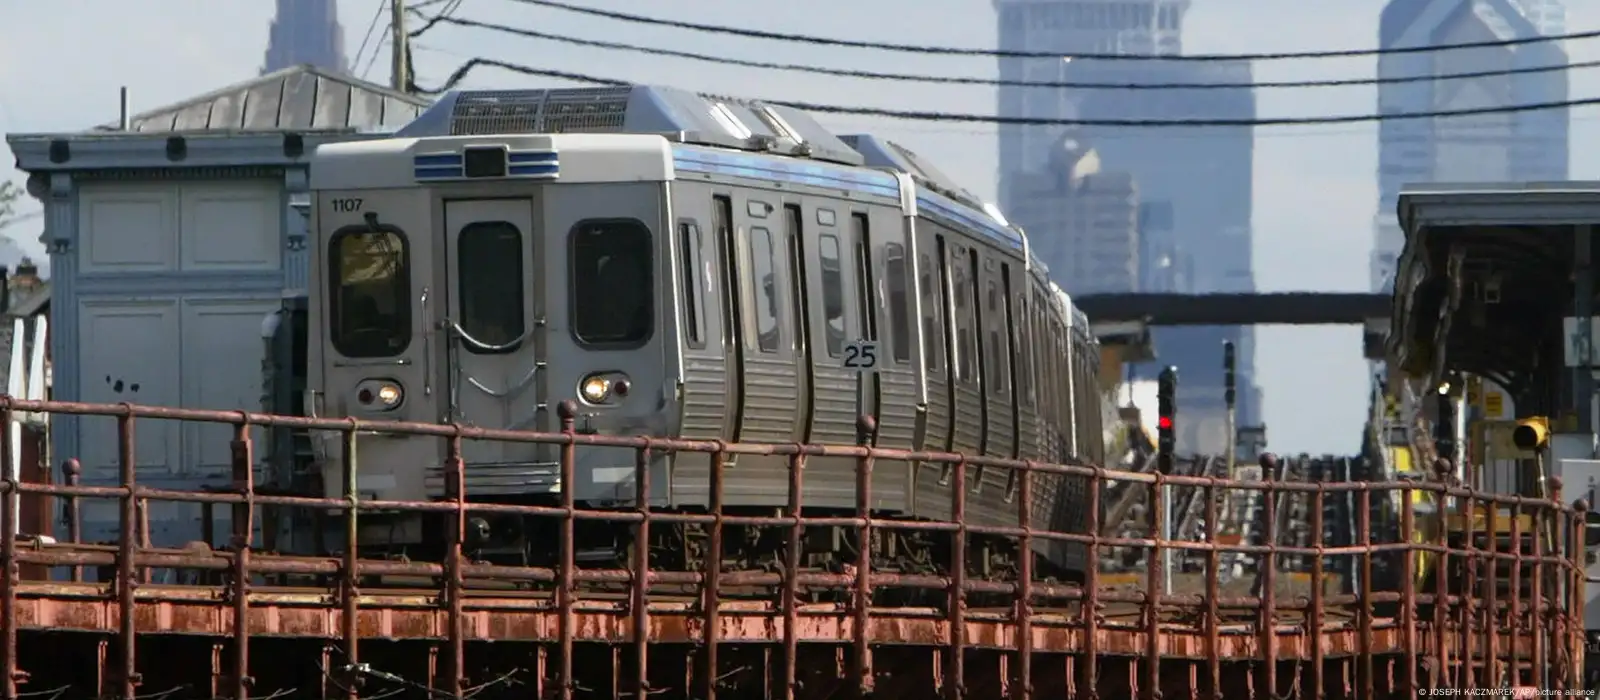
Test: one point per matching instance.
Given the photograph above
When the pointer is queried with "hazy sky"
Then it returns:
(61, 63)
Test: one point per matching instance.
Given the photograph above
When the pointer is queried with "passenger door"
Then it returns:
(491, 362)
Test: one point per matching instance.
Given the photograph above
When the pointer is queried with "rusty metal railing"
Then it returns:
(1045, 638)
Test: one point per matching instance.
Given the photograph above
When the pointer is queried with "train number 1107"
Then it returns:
(347, 204)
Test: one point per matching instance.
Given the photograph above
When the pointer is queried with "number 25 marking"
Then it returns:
(861, 355)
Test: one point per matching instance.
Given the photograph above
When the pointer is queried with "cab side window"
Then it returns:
(369, 305)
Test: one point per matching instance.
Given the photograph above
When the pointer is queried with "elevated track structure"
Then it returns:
(135, 619)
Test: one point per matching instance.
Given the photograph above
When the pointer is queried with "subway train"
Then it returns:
(688, 266)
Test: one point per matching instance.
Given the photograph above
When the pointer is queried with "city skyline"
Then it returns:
(1194, 184)
(1525, 146)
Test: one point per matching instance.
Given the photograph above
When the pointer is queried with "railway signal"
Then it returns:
(1229, 397)
(1166, 411)
(1531, 433)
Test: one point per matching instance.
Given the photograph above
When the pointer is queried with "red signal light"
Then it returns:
(1164, 422)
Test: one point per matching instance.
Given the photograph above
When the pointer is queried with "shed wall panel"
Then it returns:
(130, 353)
(234, 226)
(128, 228)
(223, 353)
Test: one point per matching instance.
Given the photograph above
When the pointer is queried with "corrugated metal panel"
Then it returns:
(299, 101)
(227, 112)
(333, 104)
(261, 107)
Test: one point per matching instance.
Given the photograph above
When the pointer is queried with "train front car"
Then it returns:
(481, 268)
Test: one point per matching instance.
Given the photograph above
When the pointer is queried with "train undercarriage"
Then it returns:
(826, 553)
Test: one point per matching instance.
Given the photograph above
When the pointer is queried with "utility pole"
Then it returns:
(399, 48)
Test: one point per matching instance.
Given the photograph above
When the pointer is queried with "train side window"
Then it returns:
(613, 298)
(996, 349)
(489, 280)
(722, 228)
(1014, 334)
(832, 293)
(799, 292)
(899, 302)
(765, 288)
(867, 291)
(966, 370)
(932, 342)
(369, 308)
(690, 256)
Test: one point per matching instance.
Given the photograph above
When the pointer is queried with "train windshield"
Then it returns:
(369, 311)
(613, 293)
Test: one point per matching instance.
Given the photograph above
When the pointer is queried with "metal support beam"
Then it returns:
(1583, 308)
(1291, 308)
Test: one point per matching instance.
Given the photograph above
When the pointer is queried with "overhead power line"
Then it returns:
(372, 28)
(962, 80)
(1006, 53)
(466, 69)
(444, 15)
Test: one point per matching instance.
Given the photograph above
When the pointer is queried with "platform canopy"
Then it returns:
(1485, 278)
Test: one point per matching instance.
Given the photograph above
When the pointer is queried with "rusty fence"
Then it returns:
(1506, 611)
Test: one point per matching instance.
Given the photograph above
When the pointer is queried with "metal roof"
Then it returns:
(299, 98)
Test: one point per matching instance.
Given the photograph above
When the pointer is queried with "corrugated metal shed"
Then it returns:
(299, 98)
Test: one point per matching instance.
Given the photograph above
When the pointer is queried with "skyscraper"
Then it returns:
(1194, 184)
(1548, 16)
(306, 31)
(1083, 220)
(1480, 148)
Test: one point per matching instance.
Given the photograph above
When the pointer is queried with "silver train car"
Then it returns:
(688, 266)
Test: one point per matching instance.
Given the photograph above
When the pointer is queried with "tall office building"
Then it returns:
(1548, 16)
(1515, 146)
(306, 31)
(1083, 220)
(1194, 184)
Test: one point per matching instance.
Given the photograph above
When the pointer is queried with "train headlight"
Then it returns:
(595, 389)
(380, 394)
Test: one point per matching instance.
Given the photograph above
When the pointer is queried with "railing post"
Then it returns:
(1314, 617)
(791, 585)
(866, 432)
(1155, 583)
(1576, 582)
(350, 629)
(1089, 609)
(1267, 574)
(243, 531)
(1023, 687)
(641, 571)
(454, 580)
(10, 504)
(955, 656)
(74, 474)
(127, 546)
(1364, 671)
(566, 586)
(1408, 590)
(711, 586)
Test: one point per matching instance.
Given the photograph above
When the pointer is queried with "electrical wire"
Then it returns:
(961, 80)
(372, 27)
(465, 69)
(1007, 53)
(444, 15)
